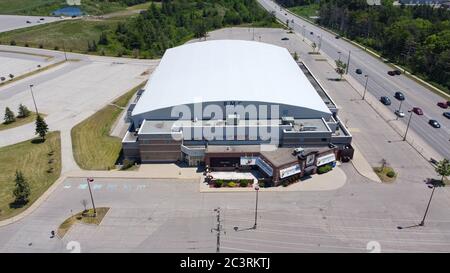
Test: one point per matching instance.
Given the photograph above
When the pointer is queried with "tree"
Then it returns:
(22, 189)
(41, 127)
(340, 68)
(103, 40)
(9, 116)
(23, 111)
(295, 56)
(443, 168)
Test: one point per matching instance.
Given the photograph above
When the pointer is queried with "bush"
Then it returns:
(56, 48)
(243, 183)
(324, 169)
(127, 164)
(231, 184)
(41, 46)
(13, 43)
(218, 183)
(390, 174)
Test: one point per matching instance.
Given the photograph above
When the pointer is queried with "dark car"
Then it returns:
(397, 72)
(28, 22)
(385, 100)
(285, 39)
(417, 110)
(446, 114)
(311, 33)
(442, 105)
(337, 37)
(399, 96)
(434, 123)
(391, 73)
(358, 71)
(42, 19)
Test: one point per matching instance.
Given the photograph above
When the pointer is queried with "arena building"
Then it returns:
(233, 104)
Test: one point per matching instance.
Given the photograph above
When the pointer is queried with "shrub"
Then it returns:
(127, 164)
(56, 48)
(13, 43)
(261, 184)
(218, 183)
(41, 46)
(243, 183)
(231, 184)
(390, 174)
(324, 169)
(27, 45)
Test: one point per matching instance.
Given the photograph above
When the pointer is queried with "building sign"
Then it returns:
(264, 166)
(248, 160)
(325, 159)
(290, 171)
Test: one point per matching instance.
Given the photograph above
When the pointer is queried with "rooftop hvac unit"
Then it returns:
(298, 151)
(233, 119)
(287, 120)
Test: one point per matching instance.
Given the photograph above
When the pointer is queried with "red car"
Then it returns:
(418, 111)
(442, 105)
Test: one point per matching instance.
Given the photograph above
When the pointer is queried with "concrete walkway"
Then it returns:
(324, 182)
(362, 166)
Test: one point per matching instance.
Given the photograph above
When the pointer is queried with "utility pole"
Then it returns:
(218, 229)
(34, 101)
(64, 48)
(348, 61)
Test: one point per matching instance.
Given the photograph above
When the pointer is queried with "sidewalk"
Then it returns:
(318, 182)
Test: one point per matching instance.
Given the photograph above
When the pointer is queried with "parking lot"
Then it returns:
(163, 215)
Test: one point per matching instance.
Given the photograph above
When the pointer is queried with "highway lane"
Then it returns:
(379, 83)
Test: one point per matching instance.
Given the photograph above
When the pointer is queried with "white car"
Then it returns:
(399, 113)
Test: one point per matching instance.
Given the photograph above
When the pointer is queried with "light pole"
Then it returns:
(407, 126)
(339, 59)
(34, 101)
(256, 207)
(348, 62)
(89, 181)
(422, 223)
(365, 86)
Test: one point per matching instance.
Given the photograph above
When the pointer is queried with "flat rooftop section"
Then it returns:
(228, 70)
(282, 156)
(233, 149)
(323, 95)
(169, 126)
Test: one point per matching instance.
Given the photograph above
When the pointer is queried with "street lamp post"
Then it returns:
(89, 181)
(256, 207)
(365, 86)
(34, 101)
(422, 223)
(348, 62)
(407, 126)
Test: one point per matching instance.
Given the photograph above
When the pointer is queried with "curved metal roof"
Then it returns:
(228, 70)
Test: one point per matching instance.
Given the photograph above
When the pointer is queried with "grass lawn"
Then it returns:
(20, 121)
(33, 160)
(382, 174)
(73, 34)
(93, 147)
(306, 11)
(84, 217)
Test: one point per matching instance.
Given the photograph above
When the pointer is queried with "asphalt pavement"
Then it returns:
(379, 83)
(12, 22)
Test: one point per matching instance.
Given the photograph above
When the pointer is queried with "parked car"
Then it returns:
(42, 19)
(442, 105)
(28, 22)
(337, 37)
(434, 123)
(358, 71)
(385, 100)
(285, 38)
(417, 110)
(397, 72)
(399, 113)
(391, 73)
(446, 114)
(399, 95)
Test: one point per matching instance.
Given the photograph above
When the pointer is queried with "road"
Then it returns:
(379, 83)
(11, 22)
